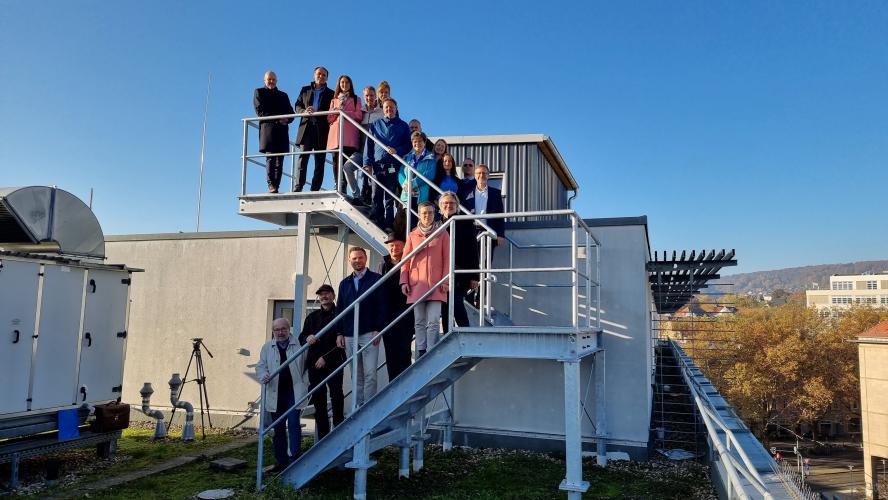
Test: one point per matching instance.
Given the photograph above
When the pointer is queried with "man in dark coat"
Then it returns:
(312, 134)
(397, 339)
(465, 257)
(274, 135)
(322, 358)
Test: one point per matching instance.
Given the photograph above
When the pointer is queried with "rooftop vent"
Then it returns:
(44, 219)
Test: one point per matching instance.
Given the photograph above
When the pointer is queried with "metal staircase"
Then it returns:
(397, 414)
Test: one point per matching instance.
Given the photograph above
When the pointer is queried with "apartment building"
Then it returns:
(846, 290)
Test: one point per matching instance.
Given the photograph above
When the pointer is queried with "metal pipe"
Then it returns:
(337, 182)
(262, 431)
(159, 428)
(356, 334)
(244, 163)
(188, 430)
(409, 203)
(574, 279)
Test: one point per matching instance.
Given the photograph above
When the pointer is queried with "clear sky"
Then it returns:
(755, 125)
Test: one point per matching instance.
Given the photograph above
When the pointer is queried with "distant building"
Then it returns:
(873, 352)
(846, 290)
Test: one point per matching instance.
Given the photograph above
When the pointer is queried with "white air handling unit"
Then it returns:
(63, 311)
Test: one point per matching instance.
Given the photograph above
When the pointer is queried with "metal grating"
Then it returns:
(675, 280)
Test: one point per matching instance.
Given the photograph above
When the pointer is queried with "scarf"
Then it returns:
(427, 230)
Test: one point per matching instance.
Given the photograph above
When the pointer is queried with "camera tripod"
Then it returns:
(201, 379)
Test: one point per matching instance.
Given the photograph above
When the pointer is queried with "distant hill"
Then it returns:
(796, 279)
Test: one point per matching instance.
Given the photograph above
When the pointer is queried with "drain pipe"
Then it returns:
(572, 197)
(188, 430)
(159, 428)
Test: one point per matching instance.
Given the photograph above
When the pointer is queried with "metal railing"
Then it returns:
(726, 450)
(449, 277)
(364, 135)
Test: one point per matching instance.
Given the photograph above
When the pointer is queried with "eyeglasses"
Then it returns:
(281, 330)
(467, 165)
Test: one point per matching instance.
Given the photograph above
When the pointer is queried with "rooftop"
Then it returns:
(879, 331)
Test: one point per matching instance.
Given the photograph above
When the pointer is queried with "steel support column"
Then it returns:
(360, 463)
(303, 238)
(573, 440)
(600, 402)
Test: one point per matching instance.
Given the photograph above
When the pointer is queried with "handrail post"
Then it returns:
(482, 282)
(511, 280)
(244, 162)
(338, 179)
(355, 336)
(574, 278)
(450, 305)
(598, 288)
(261, 444)
(409, 205)
(589, 285)
(293, 159)
(489, 257)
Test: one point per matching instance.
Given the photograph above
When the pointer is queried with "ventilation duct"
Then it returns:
(44, 219)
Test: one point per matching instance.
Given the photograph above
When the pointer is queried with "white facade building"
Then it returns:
(846, 290)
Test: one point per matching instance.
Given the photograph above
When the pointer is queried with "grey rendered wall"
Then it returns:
(218, 288)
(506, 397)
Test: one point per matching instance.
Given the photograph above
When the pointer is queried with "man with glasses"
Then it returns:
(323, 357)
(468, 171)
(281, 392)
(394, 134)
(465, 257)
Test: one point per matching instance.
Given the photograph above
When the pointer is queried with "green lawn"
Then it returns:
(461, 473)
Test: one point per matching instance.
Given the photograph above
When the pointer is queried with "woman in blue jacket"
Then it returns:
(422, 161)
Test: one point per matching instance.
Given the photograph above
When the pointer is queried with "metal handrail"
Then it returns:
(711, 420)
(354, 306)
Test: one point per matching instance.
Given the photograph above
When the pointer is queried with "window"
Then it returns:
(884, 299)
(871, 285)
(841, 285)
(841, 300)
(866, 300)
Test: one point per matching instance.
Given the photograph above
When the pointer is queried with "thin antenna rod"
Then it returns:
(203, 143)
(90, 198)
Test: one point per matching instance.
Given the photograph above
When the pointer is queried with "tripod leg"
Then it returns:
(201, 392)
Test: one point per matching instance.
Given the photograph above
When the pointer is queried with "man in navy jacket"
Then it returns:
(371, 320)
(394, 133)
(481, 198)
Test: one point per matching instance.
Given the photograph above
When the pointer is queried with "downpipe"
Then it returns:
(188, 430)
(159, 428)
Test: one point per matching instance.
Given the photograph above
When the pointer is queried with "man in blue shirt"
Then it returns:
(371, 319)
(312, 134)
(394, 134)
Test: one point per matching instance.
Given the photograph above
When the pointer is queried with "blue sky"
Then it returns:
(760, 126)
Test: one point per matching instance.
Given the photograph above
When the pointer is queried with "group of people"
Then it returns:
(384, 178)
(423, 278)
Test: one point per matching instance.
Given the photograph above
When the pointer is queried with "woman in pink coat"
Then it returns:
(344, 99)
(421, 272)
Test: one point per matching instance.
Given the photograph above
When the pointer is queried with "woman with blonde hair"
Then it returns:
(345, 99)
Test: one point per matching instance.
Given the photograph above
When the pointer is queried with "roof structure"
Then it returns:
(879, 331)
(676, 279)
(543, 141)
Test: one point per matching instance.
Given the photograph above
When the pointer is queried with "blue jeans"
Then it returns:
(291, 423)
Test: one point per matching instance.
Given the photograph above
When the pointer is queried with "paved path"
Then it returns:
(830, 474)
(110, 482)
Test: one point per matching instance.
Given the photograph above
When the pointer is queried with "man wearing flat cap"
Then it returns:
(322, 357)
(398, 339)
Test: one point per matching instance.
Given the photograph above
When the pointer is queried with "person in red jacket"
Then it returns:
(423, 271)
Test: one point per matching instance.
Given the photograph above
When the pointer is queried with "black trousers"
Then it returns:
(274, 169)
(319, 398)
(397, 346)
(312, 141)
(459, 308)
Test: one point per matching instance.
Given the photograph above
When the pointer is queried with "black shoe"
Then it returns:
(277, 469)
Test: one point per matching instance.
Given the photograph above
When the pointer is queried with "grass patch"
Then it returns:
(459, 474)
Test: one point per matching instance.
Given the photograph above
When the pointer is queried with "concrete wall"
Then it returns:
(219, 286)
(873, 404)
(525, 398)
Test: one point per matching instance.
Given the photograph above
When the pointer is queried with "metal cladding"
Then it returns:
(531, 177)
(47, 219)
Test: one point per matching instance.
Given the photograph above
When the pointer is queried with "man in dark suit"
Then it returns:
(397, 340)
(480, 198)
(370, 321)
(274, 135)
(465, 257)
(312, 134)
